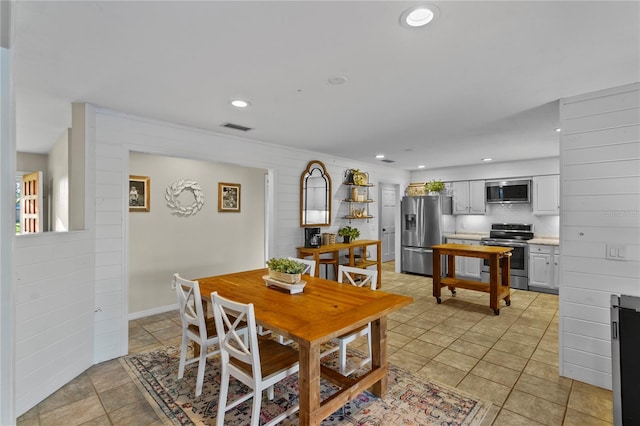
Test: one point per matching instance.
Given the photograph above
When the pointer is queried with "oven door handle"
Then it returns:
(490, 243)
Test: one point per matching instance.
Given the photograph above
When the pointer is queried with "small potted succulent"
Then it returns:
(286, 270)
(348, 233)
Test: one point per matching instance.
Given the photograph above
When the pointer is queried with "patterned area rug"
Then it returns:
(409, 400)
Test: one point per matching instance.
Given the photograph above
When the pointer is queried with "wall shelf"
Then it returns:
(362, 195)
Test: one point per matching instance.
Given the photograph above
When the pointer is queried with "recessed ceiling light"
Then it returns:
(418, 16)
(558, 129)
(239, 103)
(487, 159)
(337, 80)
(380, 156)
(421, 166)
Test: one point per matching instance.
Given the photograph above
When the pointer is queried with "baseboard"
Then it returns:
(154, 311)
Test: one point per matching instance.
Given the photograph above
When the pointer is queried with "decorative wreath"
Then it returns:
(174, 191)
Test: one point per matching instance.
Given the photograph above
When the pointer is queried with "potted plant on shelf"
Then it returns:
(348, 233)
(286, 270)
(434, 186)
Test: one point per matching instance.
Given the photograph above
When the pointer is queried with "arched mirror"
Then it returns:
(315, 196)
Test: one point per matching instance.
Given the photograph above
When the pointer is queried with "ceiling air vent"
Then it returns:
(387, 161)
(236, 127)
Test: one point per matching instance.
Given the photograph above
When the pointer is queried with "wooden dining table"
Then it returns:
(324, 310)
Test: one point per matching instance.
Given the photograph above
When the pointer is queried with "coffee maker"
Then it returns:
(312, 237)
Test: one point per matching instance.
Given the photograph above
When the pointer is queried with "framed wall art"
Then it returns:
(139, 193)
(228, 197)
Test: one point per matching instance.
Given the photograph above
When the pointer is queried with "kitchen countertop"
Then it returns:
(548, 241)
(476, 236)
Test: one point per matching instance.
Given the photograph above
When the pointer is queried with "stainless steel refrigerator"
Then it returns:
(422, 228)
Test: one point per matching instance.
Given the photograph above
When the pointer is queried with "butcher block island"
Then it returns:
(498, 286)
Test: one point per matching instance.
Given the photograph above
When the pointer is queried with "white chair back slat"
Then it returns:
(310, 268)
(229, 316)
(358, 277)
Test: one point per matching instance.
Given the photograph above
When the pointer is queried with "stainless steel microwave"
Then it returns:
(508, 191)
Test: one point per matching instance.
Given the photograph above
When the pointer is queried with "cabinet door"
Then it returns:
(461, 197)
(476, 197)
(556, 269)
(472, 265)
(540, 270)
(546, 195)
(459, 260)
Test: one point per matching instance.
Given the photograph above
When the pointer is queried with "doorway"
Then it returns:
(388, 215)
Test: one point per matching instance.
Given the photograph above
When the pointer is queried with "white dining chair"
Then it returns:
(310, 265)
(358, 277)
(195, 327)
(258, 363)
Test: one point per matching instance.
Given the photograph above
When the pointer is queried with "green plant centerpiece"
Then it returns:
(348, 233)
(434, 186)
(286, 270)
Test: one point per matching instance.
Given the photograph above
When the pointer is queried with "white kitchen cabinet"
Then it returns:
(467, 267)
(544, 268)
(468, 197)
(546, 195)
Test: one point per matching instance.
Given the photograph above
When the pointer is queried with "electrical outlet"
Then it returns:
(616, 252)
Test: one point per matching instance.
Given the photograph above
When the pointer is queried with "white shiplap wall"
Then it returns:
(118, 134)
(600, 205)
(54, 312)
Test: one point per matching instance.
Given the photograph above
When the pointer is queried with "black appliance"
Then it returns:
(312, 237)
(625, 352)
(514, 235)
(508, 191)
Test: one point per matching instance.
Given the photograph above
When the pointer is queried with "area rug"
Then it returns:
(409, 400)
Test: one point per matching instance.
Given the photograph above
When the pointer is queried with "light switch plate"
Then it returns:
(616, 252)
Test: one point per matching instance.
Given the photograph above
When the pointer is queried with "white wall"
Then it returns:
(54, 312)
(499, 213)
(600, 205)
(58, 184)
(30, 162)
(207, 243)
(7, 223)
(119, 134)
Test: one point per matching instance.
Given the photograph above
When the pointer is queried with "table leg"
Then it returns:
(494, 303)
(378, 262)
(506, 277)
(309, 383)
(436, 276)
(316, 257)
(379, 353)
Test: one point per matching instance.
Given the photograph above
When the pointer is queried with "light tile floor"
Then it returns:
(510, 360)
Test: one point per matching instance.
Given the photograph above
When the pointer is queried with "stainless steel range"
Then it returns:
(514, 235)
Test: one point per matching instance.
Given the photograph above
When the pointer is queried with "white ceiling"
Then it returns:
(483, 80)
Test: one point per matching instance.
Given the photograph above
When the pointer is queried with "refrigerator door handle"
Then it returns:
(418, 250)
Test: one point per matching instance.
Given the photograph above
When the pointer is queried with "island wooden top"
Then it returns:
(473, 251)
(325, 309)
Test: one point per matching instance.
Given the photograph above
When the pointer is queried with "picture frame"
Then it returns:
(139, 193)
(229, 197)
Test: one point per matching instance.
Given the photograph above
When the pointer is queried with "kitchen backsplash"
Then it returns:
(508, 213)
